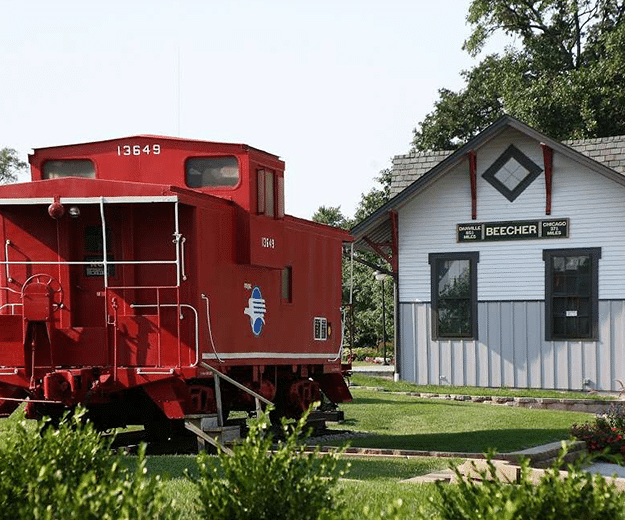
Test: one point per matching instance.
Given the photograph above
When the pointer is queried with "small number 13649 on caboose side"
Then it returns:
(136, 269)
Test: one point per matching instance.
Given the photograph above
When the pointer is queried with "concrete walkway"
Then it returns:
(541, 457)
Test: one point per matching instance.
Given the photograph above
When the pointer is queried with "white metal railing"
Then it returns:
(182, 305)
(12, 305)
(105, 262)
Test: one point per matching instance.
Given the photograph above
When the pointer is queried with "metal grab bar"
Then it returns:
(340, 352)
(155, 372)
(12, 305)
(182, 260)
(7, 243)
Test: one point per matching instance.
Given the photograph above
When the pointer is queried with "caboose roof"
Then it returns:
(74, 190)
(241, 146)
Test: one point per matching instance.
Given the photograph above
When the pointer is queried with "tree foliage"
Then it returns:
(563, 75)
(10, 165)
(359, 284)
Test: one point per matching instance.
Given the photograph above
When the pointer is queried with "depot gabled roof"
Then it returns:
(377, 227)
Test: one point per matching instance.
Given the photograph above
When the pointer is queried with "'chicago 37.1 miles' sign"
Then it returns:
(517, 230)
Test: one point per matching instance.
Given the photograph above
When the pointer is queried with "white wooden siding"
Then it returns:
(511, 350)
(513, 270)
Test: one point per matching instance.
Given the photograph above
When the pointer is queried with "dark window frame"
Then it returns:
(54, 168)
(287, 284)
(190, 161)
(269, 193)
(433, 259)
(594, 253)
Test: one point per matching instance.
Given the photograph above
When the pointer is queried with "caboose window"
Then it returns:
(287, 284)
(269, 198)
(215, 172)
(68, 168)
(270, 194)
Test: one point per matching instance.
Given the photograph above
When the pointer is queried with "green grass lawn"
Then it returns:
(375, 482)
(401, 422)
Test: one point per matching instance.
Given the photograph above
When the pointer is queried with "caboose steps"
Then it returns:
(206, 428)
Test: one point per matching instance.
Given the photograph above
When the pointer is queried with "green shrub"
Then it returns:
(70, 472)
(575, 495)
(259, 482)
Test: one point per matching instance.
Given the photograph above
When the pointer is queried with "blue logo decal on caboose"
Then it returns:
(256, 310)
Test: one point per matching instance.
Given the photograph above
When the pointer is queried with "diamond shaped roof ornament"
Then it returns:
(512, 172)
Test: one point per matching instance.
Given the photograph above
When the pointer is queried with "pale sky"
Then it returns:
(335, 88)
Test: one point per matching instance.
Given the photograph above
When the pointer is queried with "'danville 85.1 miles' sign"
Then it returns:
(518, 230)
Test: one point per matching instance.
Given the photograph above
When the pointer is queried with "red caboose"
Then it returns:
(130, 263)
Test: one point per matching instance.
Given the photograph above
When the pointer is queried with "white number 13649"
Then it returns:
(137, 149)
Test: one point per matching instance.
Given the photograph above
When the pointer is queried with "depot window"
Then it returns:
(212, 172)
(571, 293)
(454, 295)
(68, 168)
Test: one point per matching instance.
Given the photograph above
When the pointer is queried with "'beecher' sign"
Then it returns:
(517, 230)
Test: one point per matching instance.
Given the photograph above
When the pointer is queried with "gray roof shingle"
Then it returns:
(610, 151)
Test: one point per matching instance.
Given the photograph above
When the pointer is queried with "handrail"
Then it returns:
(186, 306)
(105, 270)
(203, 435)
(340, 352)
(235, 383)
(7, 243)
(10, 305)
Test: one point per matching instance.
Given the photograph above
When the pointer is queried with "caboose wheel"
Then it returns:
(52, 283)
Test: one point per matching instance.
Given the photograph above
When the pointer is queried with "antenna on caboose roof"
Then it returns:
(178, 94)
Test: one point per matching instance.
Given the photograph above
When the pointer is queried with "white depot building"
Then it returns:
(509, 259)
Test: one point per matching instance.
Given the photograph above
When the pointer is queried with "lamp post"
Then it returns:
(380, 278)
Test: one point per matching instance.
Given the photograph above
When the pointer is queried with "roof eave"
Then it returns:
(381, 216)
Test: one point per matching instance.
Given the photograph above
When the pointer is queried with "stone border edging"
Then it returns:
(538, 455)
(540, 403)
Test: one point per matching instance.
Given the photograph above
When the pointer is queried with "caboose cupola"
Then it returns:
(249, 177)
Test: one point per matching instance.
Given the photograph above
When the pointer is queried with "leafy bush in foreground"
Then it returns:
(575, 495)
(259, 482)
(71, 473)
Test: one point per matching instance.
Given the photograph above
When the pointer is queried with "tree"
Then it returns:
(359, 282)
(10, 165)
(332, 216)
(563, 77)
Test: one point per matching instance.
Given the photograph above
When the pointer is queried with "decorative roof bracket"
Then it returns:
(473, 175)
(548, 159)
(391, 257)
